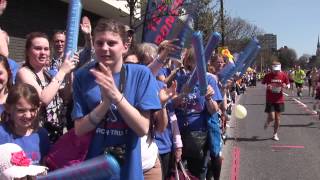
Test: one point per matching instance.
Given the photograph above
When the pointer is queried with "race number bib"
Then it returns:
(276, 89)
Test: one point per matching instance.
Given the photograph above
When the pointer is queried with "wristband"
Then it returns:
(116, 104)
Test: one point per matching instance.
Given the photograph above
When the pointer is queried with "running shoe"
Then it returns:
(275, 137)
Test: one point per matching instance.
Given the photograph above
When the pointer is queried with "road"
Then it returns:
(251, 154)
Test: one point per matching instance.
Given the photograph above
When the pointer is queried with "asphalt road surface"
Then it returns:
(251, 154)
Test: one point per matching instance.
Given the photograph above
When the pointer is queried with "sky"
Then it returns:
(295, 22)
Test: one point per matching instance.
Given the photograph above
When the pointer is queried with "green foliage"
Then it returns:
(287, 57)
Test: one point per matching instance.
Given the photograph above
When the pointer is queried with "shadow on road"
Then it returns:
(309, 102)
(289, 99)
(252, 139)
(298, 125)
(297, 114)
(253, 104)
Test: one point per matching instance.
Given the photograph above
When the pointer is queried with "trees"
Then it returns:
(314, 61)
(305, 61)
(206, 19)
(287, 57)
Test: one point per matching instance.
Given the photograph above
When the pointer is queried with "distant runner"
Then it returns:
(298, 78)
(276, 81)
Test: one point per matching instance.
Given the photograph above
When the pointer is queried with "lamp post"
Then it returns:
(222, 22)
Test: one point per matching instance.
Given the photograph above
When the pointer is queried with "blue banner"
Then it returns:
(160, 19)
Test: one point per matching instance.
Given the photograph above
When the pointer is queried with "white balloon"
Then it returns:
(240, 111)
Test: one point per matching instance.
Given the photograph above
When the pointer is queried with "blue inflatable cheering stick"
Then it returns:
(211, 45)
(73, 24)
(104, 167)
(197, 42)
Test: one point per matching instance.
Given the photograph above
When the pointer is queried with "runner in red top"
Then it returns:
(276, 81)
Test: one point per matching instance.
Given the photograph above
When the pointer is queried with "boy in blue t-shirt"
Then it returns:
(114, 100)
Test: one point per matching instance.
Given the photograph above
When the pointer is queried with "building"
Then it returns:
(24, 16)
(318, 48)
(268, 41)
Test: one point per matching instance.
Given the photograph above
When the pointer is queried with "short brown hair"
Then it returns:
(112, 26)
(18, 91)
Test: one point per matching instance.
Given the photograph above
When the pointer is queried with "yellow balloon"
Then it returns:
(240, 111)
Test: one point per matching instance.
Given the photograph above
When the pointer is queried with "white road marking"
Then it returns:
(299, 102)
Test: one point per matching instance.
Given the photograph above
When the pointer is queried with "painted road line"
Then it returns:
(315, 113)
(285, 94)
(287, 146)
(299, 102)
(235, 168)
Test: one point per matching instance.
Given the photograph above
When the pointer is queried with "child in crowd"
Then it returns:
(114, 99)
(20, 124)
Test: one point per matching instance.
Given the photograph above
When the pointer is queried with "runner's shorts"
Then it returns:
(274, 107)
(300, 85)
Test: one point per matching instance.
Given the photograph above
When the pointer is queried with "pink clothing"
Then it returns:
(177, 142)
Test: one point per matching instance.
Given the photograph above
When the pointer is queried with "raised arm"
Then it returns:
(48, 92)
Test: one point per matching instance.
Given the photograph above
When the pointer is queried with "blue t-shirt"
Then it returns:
(164, 72)
(164, 139)
(140, 90)
(194, 112)
(14, 67)
(36, 146)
